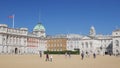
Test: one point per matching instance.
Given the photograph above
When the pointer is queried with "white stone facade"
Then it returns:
(12, 40)
(20, 41)
(89, 45)
(15, 41)
(99, 44)
(116, 42)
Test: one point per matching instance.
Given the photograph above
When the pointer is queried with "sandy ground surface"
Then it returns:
(59, 61)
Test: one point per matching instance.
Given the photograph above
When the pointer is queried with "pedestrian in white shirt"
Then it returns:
(51, 58)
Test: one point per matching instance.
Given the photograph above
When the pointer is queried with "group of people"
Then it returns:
(50, 58)
(47, 56)
(82, 55)
(67, 54)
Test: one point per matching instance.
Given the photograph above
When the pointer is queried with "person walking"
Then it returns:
(40, 53)
(82, 55)
(94, 55)
(66, 55)
(47, 57)
(51, 58)
(69, 54)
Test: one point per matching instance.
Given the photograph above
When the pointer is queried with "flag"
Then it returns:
(10, 16)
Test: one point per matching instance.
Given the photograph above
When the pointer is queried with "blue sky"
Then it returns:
(63, 16)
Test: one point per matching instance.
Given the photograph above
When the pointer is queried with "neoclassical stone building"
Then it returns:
(92, 43)
(20, 41)
(99, 44)
(56, 43)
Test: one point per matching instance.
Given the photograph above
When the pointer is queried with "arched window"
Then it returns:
(86, 44)
(82, 45)
(91, 44)
(117, 43)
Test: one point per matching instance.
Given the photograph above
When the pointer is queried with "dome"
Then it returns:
(39, 27)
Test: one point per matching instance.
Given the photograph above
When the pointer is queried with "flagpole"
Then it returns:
(13, 20)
